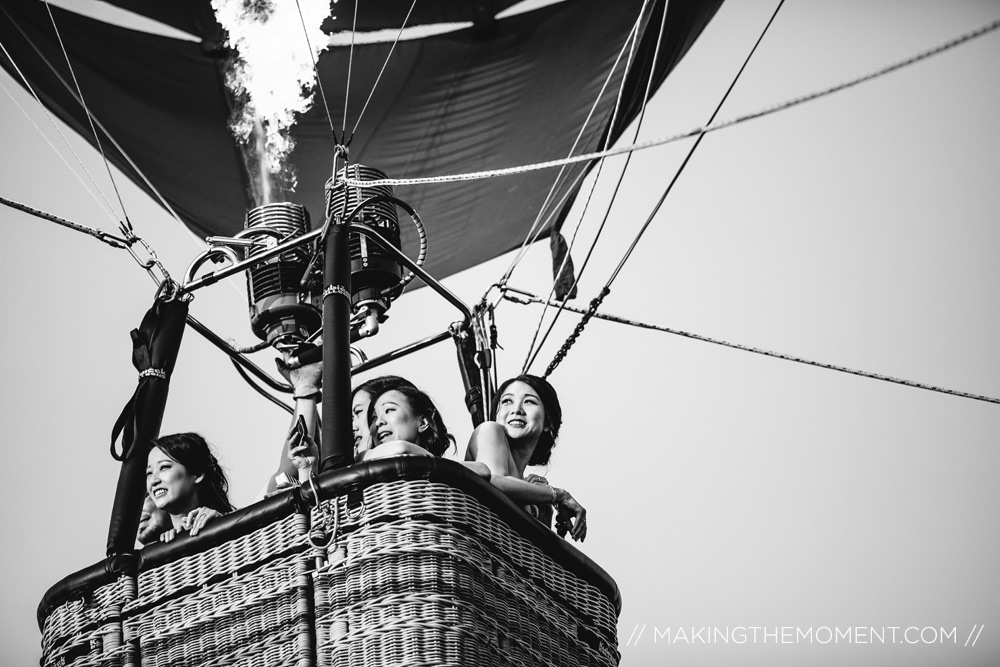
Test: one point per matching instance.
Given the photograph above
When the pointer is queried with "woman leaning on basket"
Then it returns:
(527, 419)
(185, 480)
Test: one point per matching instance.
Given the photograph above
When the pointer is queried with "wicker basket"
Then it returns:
(243, 602)
(405, 563)
(87, 629)
(419, 563)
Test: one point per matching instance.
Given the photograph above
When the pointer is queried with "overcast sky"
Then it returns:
(724, 489)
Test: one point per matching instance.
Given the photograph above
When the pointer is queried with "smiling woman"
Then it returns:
(402, 414)
(528, 417)
(185, 480)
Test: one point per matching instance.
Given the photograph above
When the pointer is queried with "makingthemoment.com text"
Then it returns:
(799, 635)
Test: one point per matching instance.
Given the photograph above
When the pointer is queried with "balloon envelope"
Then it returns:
(528, 88)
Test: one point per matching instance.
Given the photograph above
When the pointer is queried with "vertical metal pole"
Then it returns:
(337, 447)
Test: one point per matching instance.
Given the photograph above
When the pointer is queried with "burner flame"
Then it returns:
(271, 76)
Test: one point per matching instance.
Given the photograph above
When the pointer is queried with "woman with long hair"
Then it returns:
(305, 381)
(400, 420)
(300, 445)
(361, 399)
(526, 421)
(184, 479)
(401, 416)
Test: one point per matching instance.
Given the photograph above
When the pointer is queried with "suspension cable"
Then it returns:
(153, 189)
(704, 129)
(595, 303)
(535, 231)
(371, 92)
(697, 141)
(527, 298)
(319, 81)
(86, 110)
(110, 239)
(350, 65)
(529, 357)
(96, 192)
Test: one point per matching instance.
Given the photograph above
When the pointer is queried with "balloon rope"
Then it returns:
(561, 353)
(694, 147)
(95, 191)
(537, 229)
(147, 260)
(530, 357)
(530, 298)
(110, 239)
(90, 119)
(118, 147)
(319, 81)
(350, 65)
(705, 129)
(381, 71)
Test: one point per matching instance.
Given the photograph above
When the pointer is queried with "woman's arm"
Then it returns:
(489, 445)
(192, 522)
(305, 383)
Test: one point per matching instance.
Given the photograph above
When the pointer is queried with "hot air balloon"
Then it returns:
(455, 101)
(496, 92)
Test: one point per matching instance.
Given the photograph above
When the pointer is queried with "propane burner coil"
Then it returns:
(281, 313)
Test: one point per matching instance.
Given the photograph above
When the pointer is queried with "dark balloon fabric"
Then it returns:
(503, 93)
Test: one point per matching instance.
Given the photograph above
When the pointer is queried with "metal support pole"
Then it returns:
(337, 446)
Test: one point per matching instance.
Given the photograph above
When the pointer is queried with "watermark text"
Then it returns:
(757, 634)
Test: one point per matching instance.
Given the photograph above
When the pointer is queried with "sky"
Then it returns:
(727, 492)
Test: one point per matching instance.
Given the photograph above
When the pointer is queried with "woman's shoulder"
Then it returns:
(490, 428)
(489, 439)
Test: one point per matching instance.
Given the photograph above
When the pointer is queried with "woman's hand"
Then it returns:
(196, 519)
(302, 450)
(545, 511)
(571, 517)
(305, 380)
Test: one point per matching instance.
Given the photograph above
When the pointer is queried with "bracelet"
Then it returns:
(555, 496)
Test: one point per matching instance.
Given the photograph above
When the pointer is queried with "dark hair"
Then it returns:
(553, 414)
(435, 438)
(380, 385)
(194, 453)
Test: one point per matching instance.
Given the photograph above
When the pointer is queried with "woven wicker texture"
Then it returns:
(244, 602)
(416, 574)
(87, 631)
(476, 592)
